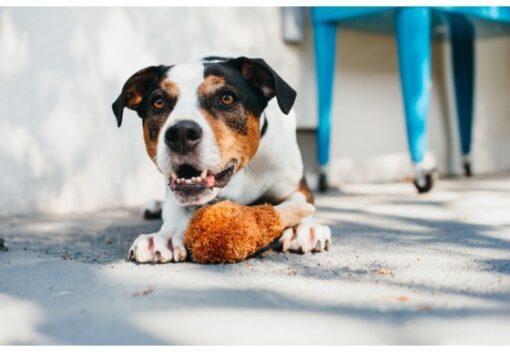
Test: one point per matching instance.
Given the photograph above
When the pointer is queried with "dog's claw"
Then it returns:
(157, 256)
(130, 256)
(286, 239)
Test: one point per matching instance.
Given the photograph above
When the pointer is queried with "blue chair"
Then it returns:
(414, 28)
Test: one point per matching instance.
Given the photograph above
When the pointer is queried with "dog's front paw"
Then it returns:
(306, 237)
(155, 248)
(177, 247)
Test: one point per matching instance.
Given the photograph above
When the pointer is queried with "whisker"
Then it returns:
(251, 168)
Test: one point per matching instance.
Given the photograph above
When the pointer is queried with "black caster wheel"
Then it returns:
(150, 215)
(323, 183)
(425, 183)
(467, 169)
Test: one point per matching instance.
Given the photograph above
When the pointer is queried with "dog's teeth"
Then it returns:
(210, 180)
(173, 175)
(204, 173)
(188, 182)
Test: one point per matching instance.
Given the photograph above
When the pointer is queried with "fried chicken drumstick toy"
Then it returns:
(227, 232)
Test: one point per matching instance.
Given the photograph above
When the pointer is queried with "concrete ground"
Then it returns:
(403, 269)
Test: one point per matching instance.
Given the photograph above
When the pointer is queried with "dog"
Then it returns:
(218, 128)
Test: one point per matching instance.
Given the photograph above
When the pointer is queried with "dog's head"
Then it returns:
(201, 121)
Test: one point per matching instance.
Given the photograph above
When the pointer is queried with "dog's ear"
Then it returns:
(259, 74)
(136, 88)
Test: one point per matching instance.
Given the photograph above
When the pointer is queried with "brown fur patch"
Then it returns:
(133, 99)
(210, 85)
(151, 129)
(170, 88)
(303, 188)
(236, 129)
(291, 213)
(232, 144)
(253, 137)
(150, 144)
(235, 117)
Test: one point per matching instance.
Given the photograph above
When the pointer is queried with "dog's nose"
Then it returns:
(184, 136)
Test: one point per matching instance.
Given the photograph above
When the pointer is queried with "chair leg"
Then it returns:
(325, 42)
(413, 41)
(462, 40)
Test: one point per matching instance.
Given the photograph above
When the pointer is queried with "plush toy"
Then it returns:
(227, 232)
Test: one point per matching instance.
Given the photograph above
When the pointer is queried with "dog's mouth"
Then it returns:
(187, 178)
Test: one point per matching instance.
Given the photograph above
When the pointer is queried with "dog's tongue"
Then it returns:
(210, 180)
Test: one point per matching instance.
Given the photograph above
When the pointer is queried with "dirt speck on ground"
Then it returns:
(144, 292)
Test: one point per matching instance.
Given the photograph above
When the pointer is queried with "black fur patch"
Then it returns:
(142, 83)
(248, 101)
(264, 127)
(237, 121)
(250, 97)
(264, 79)
(154, 123)
(156, 119)
(215, 58)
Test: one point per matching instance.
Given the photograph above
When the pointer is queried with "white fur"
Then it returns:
(274, 171)
(188, 77)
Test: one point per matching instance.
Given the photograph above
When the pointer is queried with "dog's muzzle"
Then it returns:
(188, 177)
(193, 186)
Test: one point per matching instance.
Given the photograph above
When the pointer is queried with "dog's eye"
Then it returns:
(227, 99)
(158, 103)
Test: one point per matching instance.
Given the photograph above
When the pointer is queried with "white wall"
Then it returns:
(60, 70)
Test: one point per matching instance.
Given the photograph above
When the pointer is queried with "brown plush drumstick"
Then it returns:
(227, 232)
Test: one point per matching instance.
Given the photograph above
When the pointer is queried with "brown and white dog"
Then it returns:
(220, 128)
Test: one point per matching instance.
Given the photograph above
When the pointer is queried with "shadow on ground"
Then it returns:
(403, 269)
